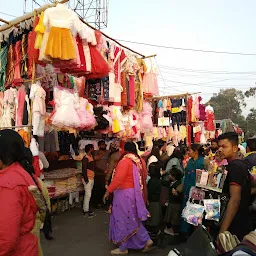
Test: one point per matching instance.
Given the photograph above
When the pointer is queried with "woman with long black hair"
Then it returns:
(18, 206)
(197, 161)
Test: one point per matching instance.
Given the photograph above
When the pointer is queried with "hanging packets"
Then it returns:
(212, 209)
(193, 213)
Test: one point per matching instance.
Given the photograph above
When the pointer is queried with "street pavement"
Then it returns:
(76, 235)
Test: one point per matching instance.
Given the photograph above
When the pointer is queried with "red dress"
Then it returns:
(210, 118)
(132, 91)
(100, 67)
(189, 108)
(18, 57)
(33, 54)
(18, 213)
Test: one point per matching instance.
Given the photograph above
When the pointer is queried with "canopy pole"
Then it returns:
(4, 21)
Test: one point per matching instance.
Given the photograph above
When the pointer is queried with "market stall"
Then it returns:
(88, 88)
(183, 119)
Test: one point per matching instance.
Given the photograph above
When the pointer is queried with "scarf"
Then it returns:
(142, 172)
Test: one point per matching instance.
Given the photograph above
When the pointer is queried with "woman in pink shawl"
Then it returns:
(129, 209)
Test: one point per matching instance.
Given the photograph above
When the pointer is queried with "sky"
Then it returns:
(222, 26)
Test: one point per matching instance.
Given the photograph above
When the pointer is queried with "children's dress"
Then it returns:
(87, 119)
(66, 105)
(37, 95)
(62, 23)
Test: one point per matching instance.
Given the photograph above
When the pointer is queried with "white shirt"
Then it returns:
(117, 93)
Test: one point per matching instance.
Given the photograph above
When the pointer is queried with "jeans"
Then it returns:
(87, 194)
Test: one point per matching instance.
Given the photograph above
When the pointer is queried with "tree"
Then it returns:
(228, 104)
(251, 92)
(251, 122)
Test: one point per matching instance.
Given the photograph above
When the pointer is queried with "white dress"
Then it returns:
(66, 105)
(9, 107)
(37, 95)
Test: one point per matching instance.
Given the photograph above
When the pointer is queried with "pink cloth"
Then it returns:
(150, 84)
(197, 112)
(132, 90)
(21, 103)
(223, 162)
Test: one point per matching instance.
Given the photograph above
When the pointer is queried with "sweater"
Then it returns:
(18, 213)
(154, 189)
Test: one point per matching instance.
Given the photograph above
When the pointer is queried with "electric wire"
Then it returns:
(189, 49)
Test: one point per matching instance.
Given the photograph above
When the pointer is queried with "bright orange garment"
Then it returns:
(25, 137)
(123, 177)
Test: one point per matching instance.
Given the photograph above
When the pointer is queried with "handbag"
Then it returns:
(199, 244)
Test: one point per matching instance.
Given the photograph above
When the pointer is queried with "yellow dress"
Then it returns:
(40, 29)
(62, 23)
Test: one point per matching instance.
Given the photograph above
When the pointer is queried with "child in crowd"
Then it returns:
(154, 206)
(173, 213)
(185, 158)
(220, 160)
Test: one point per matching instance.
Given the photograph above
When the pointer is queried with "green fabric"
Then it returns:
(72, 82)
(3, 63)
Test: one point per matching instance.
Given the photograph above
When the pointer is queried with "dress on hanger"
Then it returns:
(62, 24)
(87, 120)
(3, 63)
(138, 84)
(150, 84)
(132, 91)
(21, 95)
(146, 118)
(33, 54)
(66, 105)
(10, 66)
(40, 30)
(24, 49)
(99, 67)
(17, 80)
(9, 108)
(37, 95)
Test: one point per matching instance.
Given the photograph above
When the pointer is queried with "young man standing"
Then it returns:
(237, 186)
(101, 157)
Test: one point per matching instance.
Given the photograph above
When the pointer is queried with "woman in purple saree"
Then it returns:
(128, 209)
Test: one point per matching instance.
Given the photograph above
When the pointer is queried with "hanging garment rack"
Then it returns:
(174, 96)
(44, 7)
(4, 21)
(14, 127)
(33, 80)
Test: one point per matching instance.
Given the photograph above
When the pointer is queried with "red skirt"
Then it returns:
(100, 67)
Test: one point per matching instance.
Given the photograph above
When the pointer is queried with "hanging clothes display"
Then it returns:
(37, 95)
(150, 84)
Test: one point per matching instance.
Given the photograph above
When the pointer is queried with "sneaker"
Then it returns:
(169, 231)
(90, 214)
